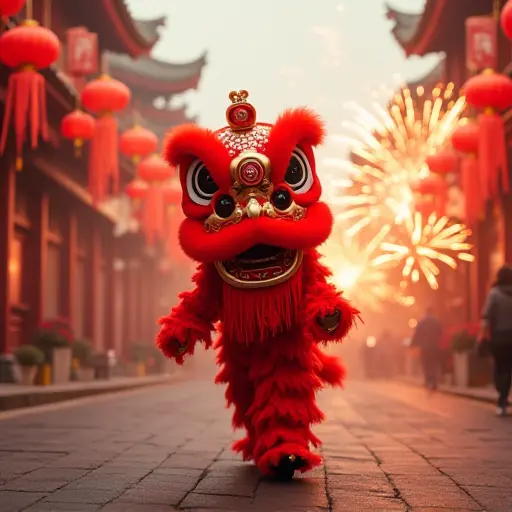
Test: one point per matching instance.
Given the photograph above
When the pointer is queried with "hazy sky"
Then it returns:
(320, 53)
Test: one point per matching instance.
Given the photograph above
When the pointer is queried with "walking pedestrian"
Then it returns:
(496, 327)
(427, 337)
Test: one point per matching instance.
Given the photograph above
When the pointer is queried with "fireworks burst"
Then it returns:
(354, 271)
(428, 243)
(390, 152)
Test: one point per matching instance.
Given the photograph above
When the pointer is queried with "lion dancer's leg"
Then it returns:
(284, 408)
(234, 372)
(329, 369)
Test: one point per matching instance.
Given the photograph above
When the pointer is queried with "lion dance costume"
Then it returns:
(253, 220)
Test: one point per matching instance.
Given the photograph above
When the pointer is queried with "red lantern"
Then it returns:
(10, 7)
(431, 194)
(172, 195)
(465, 139)
(77, 126)
(443, 162)
(136, 190)
(172, 198)
(506, 19)
(104, 96)
(154, 170)
(491, 91)
(138, 142)
(27, 48)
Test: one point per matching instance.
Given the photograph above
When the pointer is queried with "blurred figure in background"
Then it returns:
(496, 327)
(427, 337)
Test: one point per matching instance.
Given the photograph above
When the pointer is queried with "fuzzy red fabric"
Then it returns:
(269, 356)
(270, 347)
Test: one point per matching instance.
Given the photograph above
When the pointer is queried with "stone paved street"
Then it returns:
(387, 447)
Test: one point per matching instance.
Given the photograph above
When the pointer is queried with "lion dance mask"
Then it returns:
(251, 197)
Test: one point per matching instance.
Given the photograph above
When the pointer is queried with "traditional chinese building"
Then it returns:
(59, 257)
(154, 84)
(469, 45)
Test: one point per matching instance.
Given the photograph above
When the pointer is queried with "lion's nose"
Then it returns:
(253, 208)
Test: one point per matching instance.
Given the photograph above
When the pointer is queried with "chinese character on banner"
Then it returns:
(82, 52)
(481, 43)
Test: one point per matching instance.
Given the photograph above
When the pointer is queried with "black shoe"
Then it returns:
(287, 466)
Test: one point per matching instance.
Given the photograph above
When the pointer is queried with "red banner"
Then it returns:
(82, 52)
(481, 43)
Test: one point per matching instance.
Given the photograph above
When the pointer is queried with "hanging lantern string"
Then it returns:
(496, 7)
(29, 10)
(104, 64)
(47, 13)
(136, 117)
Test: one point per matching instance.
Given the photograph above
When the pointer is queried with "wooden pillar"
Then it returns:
(130, 305)
(507, 216)
(110, 295)
(91, 323)
(7, 208)
(37, 249)
(69, 278)
(138, 303)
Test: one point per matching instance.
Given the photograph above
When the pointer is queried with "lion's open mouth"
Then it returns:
(259, 266)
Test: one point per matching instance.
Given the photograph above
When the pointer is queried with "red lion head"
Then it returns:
(251, 194)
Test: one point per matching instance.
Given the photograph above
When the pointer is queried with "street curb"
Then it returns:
(47, 395)
(453, 392)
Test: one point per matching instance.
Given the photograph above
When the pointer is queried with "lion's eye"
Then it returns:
(298, 175)
(200, 185)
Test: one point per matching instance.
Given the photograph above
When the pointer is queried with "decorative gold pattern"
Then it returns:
(214, 223)
(254, 139)
(262, 282)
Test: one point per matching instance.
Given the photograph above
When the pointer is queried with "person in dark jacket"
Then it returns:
(427, 337)
(497, 328)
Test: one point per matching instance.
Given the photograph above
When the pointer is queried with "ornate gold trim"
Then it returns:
(249, 156)
(237, 283)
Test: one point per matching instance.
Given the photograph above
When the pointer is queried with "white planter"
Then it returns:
(61, 365)
(27, 375)
(461, 369)
(85, 374)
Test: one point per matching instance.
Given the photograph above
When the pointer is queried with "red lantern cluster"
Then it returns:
(466, 140)
(78, 127)
(431, 195)
(138, 142)
(10, 7)
(104, 96)
(155, 171)
(492, 93)
(27, 48)
(443, 162)
(506, 19)
(136, 190)
(172, 198)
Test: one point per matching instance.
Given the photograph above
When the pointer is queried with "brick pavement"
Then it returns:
(387, 446)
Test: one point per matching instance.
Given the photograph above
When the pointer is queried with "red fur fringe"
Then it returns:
(192, 141)
(299, 126)
(193, 319)
(253, 315)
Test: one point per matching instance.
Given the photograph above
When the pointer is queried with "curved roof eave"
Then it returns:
(137, 36)
(155, 75)
(414, 32)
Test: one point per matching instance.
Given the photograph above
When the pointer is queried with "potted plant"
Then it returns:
(29, 358)
(156, 361)
(139, 354)
(463, 343)
(54, 340)
(82, 353)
